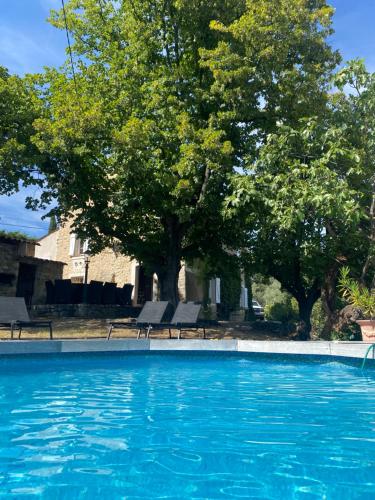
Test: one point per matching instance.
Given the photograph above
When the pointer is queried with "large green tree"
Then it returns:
(312, 189)
(167, 97)
(354, 111)
(18, 155)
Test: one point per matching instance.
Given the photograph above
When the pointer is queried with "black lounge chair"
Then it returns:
(13, 314)
(152, 313)
(184, 318)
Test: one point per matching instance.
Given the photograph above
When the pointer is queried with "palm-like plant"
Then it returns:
(357, 294)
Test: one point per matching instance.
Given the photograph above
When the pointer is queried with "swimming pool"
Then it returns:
(185, 426)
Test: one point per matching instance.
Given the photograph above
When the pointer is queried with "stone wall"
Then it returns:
(9, 265)
(14, 253)
(84, 311)
(45, 270)
(105, 266)
(109, 266)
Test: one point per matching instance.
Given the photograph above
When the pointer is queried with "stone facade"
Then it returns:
(46, 270)
(22, 274)
(8, 267)
(108, 266)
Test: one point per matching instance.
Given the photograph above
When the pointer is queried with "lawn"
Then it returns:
(82, 328)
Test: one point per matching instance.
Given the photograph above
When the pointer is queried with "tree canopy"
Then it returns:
(311, 188)
(167, 98)
(182, 129)
(18, 154)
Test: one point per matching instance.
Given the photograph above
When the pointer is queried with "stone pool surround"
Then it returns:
(334, 349)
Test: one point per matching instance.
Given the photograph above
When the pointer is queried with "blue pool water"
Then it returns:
(185, 426)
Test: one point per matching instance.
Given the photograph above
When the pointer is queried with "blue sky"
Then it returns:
(28, 42)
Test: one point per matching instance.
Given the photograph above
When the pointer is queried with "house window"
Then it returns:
(77, 247)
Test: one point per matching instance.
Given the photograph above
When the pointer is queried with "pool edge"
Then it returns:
(318, 348)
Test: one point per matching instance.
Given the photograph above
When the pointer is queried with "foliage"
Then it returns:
(318, 319)
(356, 112)
(16, 235)
(167, 98)
(227, 266)
(306, 201)
(140, 120)
(18, 155)
(285, 311)
(230, 290)
(357, 294)
(267, 291)
(349, 332)
(270, 54)
(284, 195)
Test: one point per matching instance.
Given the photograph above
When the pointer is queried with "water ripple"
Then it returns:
(185, 426)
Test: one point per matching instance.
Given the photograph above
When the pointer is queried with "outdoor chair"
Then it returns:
(152, 314)
(13, 314)
(124, 294)
(184, 318)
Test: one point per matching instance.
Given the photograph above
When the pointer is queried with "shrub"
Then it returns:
(285, 311)
(267, 291)
(349, 332)
(318, 318)
(357, 294)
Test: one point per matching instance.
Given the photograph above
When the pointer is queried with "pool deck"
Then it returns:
(318, 348)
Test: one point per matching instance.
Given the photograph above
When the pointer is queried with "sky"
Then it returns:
(28, 43)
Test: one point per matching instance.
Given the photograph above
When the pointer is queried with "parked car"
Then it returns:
(258, 310)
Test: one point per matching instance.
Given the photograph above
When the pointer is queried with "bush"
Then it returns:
(267, 291)
(318, 319)
(350, 332)
(284, 311)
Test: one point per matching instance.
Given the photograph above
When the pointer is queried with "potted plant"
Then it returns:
(362, 298)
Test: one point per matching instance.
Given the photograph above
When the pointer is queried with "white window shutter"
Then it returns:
(244, 300)
(72, 244)
(85, 246)
(217, 290)
(214, 291)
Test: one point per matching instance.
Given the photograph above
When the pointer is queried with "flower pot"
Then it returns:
(367, 329)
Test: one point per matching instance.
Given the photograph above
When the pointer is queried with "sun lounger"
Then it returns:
(152, 313)
(185, 318)
(13, 314)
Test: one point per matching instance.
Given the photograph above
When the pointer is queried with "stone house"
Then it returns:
(22, 272)
(109, 266)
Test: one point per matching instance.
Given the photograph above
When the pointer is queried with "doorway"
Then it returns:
(25, 282)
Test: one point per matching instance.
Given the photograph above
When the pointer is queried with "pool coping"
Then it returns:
(318, 348)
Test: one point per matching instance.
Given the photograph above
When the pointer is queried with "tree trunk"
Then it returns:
(168, 280)
(169, 271)
(305, 307)
(329, 295)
